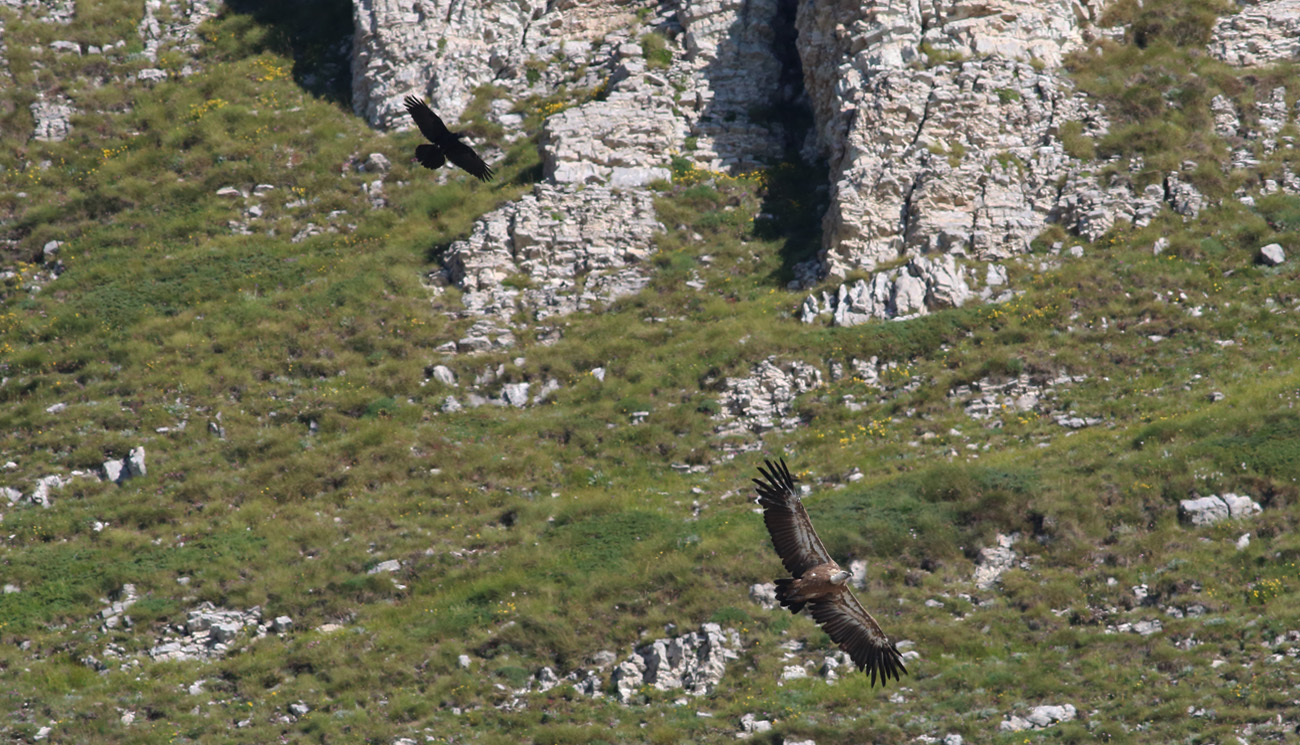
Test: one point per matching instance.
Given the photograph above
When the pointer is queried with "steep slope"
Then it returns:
(284, 457)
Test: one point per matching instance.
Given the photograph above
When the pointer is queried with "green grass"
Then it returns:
(539, 537)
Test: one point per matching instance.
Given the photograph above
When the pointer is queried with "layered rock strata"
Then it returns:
(941, 123)
(707, 74)
(445, 49)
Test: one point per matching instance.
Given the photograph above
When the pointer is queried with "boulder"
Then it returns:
(1272, 254)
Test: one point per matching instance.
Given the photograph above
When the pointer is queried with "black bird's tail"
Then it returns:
(784, 588)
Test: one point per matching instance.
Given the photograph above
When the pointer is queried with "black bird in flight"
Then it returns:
(446, 144)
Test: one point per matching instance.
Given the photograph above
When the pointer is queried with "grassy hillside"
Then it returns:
(295, 439)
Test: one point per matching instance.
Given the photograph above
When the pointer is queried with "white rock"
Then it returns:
(793, 672)
(751, 725)
(1272, 254)
(961, 157)
(1261, 33)
(444, 375)
(764, 593)
(515, 394)
(391, 565)
(135, 462)
(765, 400)
(1215, 508)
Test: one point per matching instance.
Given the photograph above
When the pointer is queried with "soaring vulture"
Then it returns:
(818, 582)
(446, 144)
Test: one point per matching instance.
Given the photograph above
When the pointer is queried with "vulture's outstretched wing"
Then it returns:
(461, 154)
(430, 125)
(852, 627)
(792, 532)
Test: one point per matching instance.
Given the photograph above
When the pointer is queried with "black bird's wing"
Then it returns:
(465, 157)
(429, 156)
(430, 125)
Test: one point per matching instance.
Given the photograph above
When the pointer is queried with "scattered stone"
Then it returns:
(1272, 254)
(281, 624)
(990, 399)
(515, 394)
(793, 672)
(392, 565)
(377, 163)
(463, 661)
(1040, 717)
(131, 466)
(208, 632)
(44, 485)
(751, 725)
(994, 561)
(1141, 628)
(858, 574)
(299, 709)
(444, 375)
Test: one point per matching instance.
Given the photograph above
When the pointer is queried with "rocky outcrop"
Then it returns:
(1261, 33)
(49, 11)
(694, 662)
(941, 123)
(1217, 508)
(173, 23)
(210, 632)
(444, 50)
(992, 400)
(52, 119)
(703, 79)
(122, 469)
(914, 289)
(995, 560)
(568, 250)
(1040, 717)
(764, 399)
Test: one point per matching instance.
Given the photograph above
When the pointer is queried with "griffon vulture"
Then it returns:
(818, 582)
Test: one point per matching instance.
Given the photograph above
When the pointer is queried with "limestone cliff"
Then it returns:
(940, 123)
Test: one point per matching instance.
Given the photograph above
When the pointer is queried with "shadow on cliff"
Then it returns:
(316, 34)
(745, 105)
